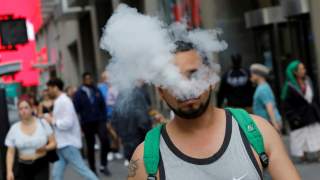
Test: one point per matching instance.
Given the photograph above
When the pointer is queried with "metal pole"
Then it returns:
(315, 13)
(276, 60)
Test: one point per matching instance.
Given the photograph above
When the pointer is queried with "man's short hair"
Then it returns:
(182, 46)
(56, 82)
(86, 74)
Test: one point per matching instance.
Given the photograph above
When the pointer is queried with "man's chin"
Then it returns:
(188, 110)
(189, 114)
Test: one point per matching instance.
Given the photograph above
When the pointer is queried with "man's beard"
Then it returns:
(193, 113)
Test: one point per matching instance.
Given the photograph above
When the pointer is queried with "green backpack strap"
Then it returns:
(252, 132)
(151, 156)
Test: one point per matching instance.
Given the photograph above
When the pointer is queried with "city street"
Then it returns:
(84, 77)
(117, 168)
(309, 171)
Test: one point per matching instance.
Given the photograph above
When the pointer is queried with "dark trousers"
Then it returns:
(130, 145)
(2, 163)
(90, 130)
(37, 170)
(129, 149)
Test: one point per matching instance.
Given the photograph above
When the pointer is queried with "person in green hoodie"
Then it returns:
(301, 111)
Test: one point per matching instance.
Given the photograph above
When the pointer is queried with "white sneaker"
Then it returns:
(126, 163)
(118, 156)
(110, 157)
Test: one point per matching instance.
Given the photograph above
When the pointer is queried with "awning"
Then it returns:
(8, 68)
(43, 66)
(264, 16)
(295, 7)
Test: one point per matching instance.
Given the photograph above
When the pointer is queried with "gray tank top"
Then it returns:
(233, 161)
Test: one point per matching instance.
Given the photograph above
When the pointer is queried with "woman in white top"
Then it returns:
(31, 138)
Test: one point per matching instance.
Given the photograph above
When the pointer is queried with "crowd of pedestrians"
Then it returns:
(301, 111)
(53, 130)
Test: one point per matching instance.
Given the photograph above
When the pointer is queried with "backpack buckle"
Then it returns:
(264, 159)
(152, 177)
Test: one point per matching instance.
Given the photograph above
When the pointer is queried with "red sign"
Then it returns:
(31, 11)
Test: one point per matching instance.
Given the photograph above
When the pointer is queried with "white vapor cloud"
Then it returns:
(142, 49)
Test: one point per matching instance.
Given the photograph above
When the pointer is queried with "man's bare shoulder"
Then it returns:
(262, 123)
(280, 165)
(136, 169)
(270, 135)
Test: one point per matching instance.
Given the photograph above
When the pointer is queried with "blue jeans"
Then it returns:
(71, 155)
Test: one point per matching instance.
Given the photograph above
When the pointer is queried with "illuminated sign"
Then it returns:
(13, 32)
(26, 53)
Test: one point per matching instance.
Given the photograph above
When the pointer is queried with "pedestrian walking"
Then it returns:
(31, 139)
(31, 96)
(67, 131)
(236, 89)
(70, 91)
(264, 103)
(132, 122)
(301, 110)
(91, 107)
(110, 95)
(46, 105)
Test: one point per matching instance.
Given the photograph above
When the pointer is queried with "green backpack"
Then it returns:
(151, 155)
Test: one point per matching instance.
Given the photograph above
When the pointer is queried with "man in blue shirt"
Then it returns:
(264, 103)
(110, 95)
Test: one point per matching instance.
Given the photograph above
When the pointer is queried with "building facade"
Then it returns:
(272, 32)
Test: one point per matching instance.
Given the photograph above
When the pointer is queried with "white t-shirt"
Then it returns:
(28, 144)
(112, 96)
(66, 124)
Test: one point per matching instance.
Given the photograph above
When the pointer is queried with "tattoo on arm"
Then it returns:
(133, 166)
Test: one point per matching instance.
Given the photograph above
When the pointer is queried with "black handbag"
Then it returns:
(51, 155)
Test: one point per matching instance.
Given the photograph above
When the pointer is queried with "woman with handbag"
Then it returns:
(301, 110)
(31, 139)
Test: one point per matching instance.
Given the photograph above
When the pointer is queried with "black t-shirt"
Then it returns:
(236, 88)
